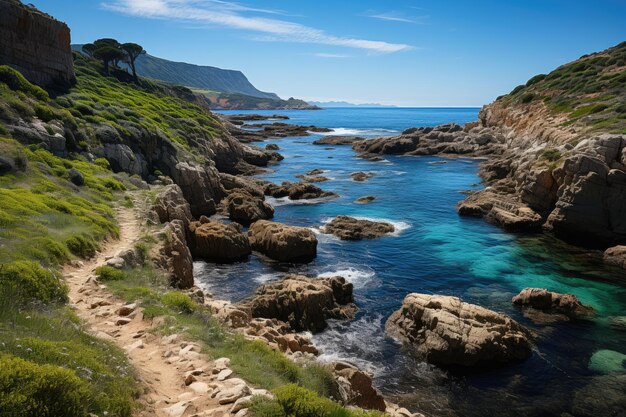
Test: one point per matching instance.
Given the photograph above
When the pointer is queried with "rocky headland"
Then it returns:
(555, 160)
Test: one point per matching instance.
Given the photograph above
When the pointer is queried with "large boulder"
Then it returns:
(446, 331)
(297, 191)
(552, 302)
(616, 256)
(220, 242)
(303, 302)
(283, 243)
(242, 207)
(170, 204)
(349, 228)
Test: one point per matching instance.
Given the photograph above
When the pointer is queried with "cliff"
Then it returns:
(556, 150)
(35, 44)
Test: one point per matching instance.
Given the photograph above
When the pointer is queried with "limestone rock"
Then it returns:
(244, 208)
(616, 256)
(349, 228)
(170, 204)
(218, 241)
(302, 302)
(446, 331)
(283, 243)
(548, 301)
(175, 255)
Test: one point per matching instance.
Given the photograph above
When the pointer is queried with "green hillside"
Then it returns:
(590, 92)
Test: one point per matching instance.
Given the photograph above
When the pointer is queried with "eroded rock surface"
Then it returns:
(245, 208)
(283, 243)
(218, 241)
(552, 302)
(446, 331)
(297, 191)
(616, 256)
(303, 302)
(350, 228)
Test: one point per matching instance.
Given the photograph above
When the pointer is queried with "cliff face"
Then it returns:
(35, 44)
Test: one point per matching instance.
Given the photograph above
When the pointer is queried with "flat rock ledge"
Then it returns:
(350, 228)
(446, 331)
(550, 302)
(283, 243)
(303, 303)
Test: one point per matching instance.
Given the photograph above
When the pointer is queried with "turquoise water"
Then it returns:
(435, 251)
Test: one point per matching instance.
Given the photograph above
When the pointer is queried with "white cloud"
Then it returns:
(397, 17)
(234, 15)
(327, 55)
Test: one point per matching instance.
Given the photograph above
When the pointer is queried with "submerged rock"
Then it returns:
(552, 302)
(242, 207)
(219, 242)
(283, 243)
(303, 302)
(607, 361)
(365, 200)
(349, 228)
(446, 331)
(361, 176)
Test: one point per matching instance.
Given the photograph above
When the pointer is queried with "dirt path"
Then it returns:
(177, 381)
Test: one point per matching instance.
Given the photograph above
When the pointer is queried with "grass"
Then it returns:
(53, 337)
(254, 361)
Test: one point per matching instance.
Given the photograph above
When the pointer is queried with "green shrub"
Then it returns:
(551, 154)
(28, 389)
(536, 79)
(81, 246)
(16, 82)
(108, 273)
(102, 162)
(261, 406)
(114, 184)
(527, 98)
(179, 301)
(26, 281)
(44, 112)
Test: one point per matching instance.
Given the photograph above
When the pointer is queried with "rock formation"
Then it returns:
(303, 302)
(170, 205)
(349, 228)
(446, 331)
(175, 257)
(297, 191)
(35, 44)
(616, 256)
(552, 302)
(283, 243)
(361, 176)
(218, 241)
(355, 387)
(245, 208)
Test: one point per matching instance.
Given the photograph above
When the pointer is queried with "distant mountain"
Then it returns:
(344, 104)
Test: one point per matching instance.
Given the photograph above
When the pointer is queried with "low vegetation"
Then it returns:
(589, 91)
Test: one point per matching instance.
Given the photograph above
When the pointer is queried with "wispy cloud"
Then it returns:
(397, 17)
(236, 16)
(327, 55)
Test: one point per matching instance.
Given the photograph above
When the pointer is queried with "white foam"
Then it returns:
(263, 278)
(344, 131)
(399, 226)
(286, 201)
(357, 277)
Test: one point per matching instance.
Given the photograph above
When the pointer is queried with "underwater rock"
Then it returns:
(552, 302)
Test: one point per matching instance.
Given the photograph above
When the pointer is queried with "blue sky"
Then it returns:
(401, 52)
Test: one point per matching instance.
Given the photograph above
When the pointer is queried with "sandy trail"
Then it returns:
(176, 380)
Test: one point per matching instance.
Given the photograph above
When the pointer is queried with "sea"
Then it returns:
(577, 367)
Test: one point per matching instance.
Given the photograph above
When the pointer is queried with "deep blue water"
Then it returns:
(436, 251)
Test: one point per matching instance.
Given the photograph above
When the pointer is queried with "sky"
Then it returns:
(394, 52)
